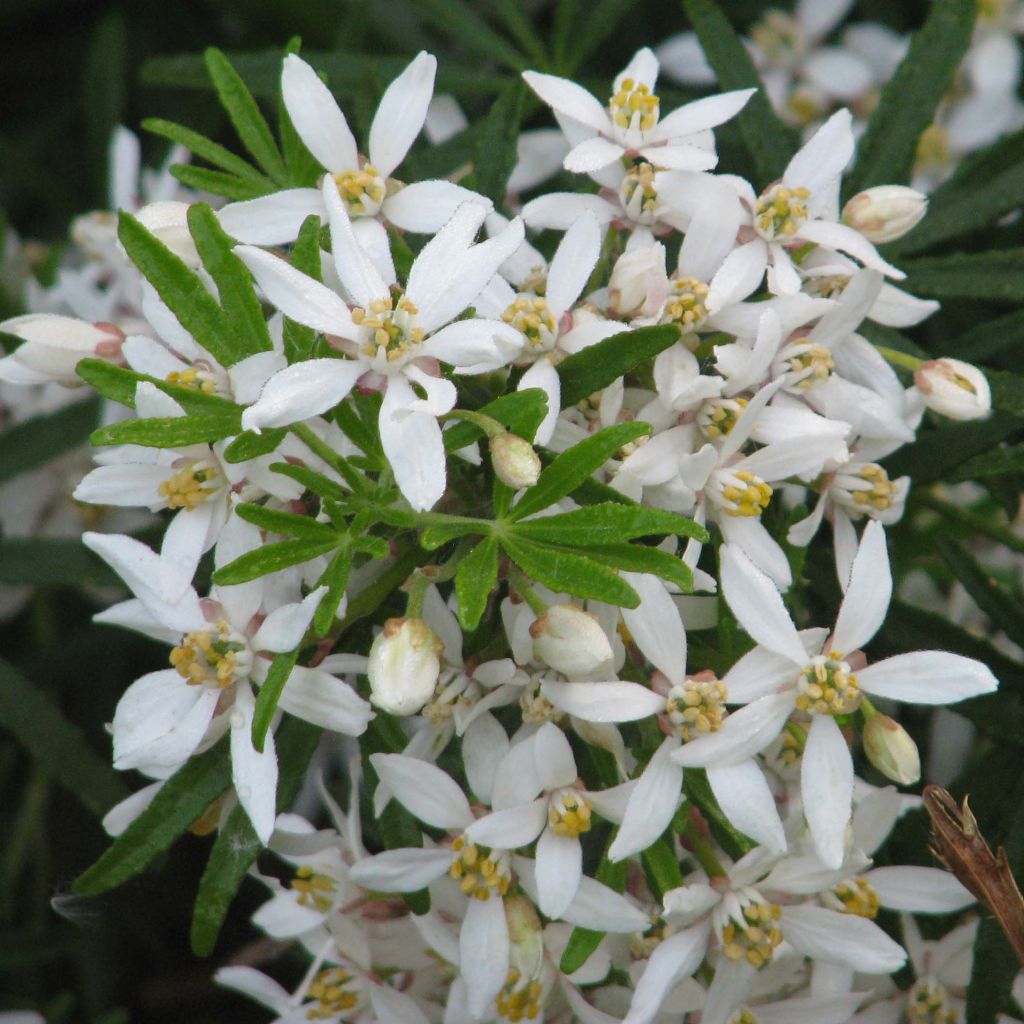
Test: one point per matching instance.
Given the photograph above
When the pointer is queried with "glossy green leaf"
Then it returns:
(997, 275)
(272, 558)
(313, 481)
(496, 153)
(938, 452)
(249, 445)
(219, 183)
(475, 580)
(166, 431)
(34, 442)
(335, 577)
(269, 695)
(608, 523)
(288, 523)
(661, 867)
(208, 150)
(638, 558)
(521, 411)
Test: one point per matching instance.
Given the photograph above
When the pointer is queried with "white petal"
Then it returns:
(475, 346)
(919, 890)
(404, 870)
(317, 117)
(255, 985)
(372, 237)
(740, 273)
(512, 827)
(927, 677)
(703, 114)
(413, 445)
(848, 240)
(560, 210)
(284, 628)
(729, 988)
(569, 98)
(747, 801)
(424, 207)
(400, 116)
(543, 375)
(844, 939)
(484, 744)
(595, 906)
(867, 595)
(357, 272)
(302, 390)
(271, 220)
(651, 805)
(558, 873)
(674, 959)
(592, 155)
(572, 264)
(825, 155)
(553, 758)
(744, 733)
(826, 784)
(483, 952)
(425, 790)
(656, 627)
(760, 672)
(604, 702)
(253, 773)
(516, 780)
(324, 700)
(394, 1007)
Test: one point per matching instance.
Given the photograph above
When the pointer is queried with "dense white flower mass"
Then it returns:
(604, 703)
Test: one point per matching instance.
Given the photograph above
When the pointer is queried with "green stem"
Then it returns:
(538, 605)
(972, 520)
(702, 850)
(904, 359)
(488, 424)
(417, 587)
(334, 459)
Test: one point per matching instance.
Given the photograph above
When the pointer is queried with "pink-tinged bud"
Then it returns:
(886, 212)
(405, 661)
(514, 460)
(168, 220)
(52, 346)
(639, 283)
(954, 389)
(891, 750)
(571, 641)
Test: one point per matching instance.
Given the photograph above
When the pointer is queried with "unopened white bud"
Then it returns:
(571, 641)
(405, 661)
(52, 346)
(639, 283)
(168, 220)
(891, 750)
(885, 212)
(514, 460)
(954, 389)
(526, 936)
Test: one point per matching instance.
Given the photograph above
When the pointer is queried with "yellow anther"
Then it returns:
(809, 363)
(569, 814)
(777, 35)
(928, 1003)
(781, 211)
(638, 193)
(756, 938)
(827, 686)
(332, 995)
(519, 1000)
(857, 897)
(933, 147)
(479, 871)
(315, 891)
(388, 329)
(696, 708)
(717, 416)
(634, 106)
(535, 707)
(206, 656)
(744, 1016)
(362, 191)
(188, 488)
(198, 380)
(685, 304)
(531, 315)
(740, 494)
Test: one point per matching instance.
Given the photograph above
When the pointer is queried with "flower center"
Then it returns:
(928, 1003)
(933, 147)
(569, 814)
(744, 1016)
(756, 939)
(536, 707)
(216, 655)
(197, 379)
(696, 707)
(685, 304)
(777, 35)
(531, 315)
(869, 490)
(362, 191)
(333, 992)
(517, 1001)
(191, 486)
(634, 106)
(389, 334)
(827, 686)
(781, 211)
(807, 363)
(479, 871)
(638, 194)
(739, 494)
(315, 891)
(718, 416)
(857, 897)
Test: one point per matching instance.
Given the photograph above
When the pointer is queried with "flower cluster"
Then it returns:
(576, 817)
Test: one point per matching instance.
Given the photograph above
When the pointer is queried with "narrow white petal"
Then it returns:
(357, 272)
(592, 155)
(604, 702)
(760, 672)
(372, 238)
(413, 445)
(652, 804)
(702, 114)
(747, 801)
(844, 939)
(569, 98)
(825, 155)
(512, 827)
(317, 118)
(744, 733)
(484, 744)
(425, 790)
(814, 1010)
(271, 220)
(395, 1007)
(919, 890)
(255, 985)
(324, 700)
(729, 989)
(302, 390)
(483, 953)
(424, 207)
(927, 677)
(543, 375)
(740, 273)
(284, 628)
(560, 210)
(553, 758)
(559, 869)
(656, 627)
(672, 961)
(572, 264)
(826, 784)
(404, 870)
(402, 111)
(516, 780)
(475, 346)
(254, 773)
(848, 240)
(867, 595)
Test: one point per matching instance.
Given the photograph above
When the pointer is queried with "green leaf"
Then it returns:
(459, 20)
(996, 462)
(1007, 391)
(181, 801)
(583, 941)
(36, 441)
(600, 22)
(104, 88)
(568, 573)
(997, 275)
(637, 558)
(202, 179)
(269, 694)
(272, 558)
(517, 22)
(237, 846)
(335, 578)
(51, 561)
(245, 115)
(521, 411)
(208, 150)
(769, 142)
(313, 481)
(59, 746)
(991, 337)
(697, 790)
(249, 445)
(886, 151)
(475, 579)
(288, 523)
(574, 466)
(661, 868)
(434, 536)
(496, 152)
(361, 433)
(594, 368)
(234, 283)
(938, 452)
(1005, 611)
(166, 431)
(183, 292)
(608, 523)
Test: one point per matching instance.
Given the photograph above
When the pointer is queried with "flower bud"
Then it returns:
(639, 284)
(168, 220)
(885, 212)
(954, 389)
(571, 641)
(526, 935)
(514, 460)
(52, 347)
(404, 666)
(891, 750)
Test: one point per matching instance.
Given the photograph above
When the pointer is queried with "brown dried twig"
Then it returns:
(957, 842)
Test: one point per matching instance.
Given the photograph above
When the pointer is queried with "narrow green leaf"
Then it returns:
(517, 22)
(1005, 611)
(885, 153)
(638, 558)
(237, 846)
(208, 150)
(59, 746)
(608, 523)
(234, 283)
(1007, 391)
(269, 694)
(574, 466)
(593, 369)
(335, 578)
(583, 941)
(166, 431)
(938, 452)
(568, 573)
(434, 536)
(287, 523)
(475, 579)
(313, 481)
(997, 275)
(368, 600)
(183, 292)
(181, 801)
(362, 434)
(104, 91)
(249, 445)
(990, 338)
(521, 411)
(769, 141)
(30, 444)
(202, 179)
(591, 31)
(52, 561)
(245, 115)
(459, 20)
(999, 461)
(496, 153)
(697, 790)
(661, 868)
(271, 558)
